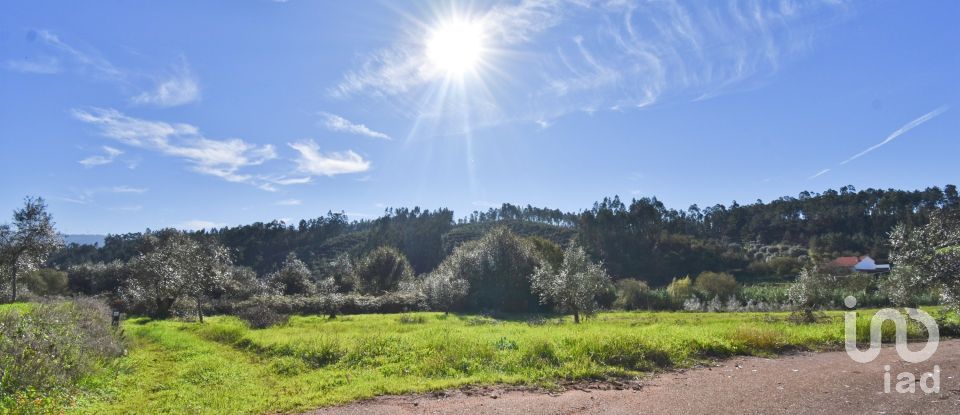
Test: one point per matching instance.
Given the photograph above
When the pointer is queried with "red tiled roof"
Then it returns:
(845, 261)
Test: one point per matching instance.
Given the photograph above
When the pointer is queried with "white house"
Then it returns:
(867, 264)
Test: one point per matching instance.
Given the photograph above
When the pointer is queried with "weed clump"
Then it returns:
(46, 349)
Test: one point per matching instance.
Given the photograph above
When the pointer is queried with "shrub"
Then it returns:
(97, 278)
(293, 277)
(444, 292)
(680, 289)
(260, 316)
(382, 270)
(633, 295)
(46, 281)
(47, 348)
(498, 267)
(714, 284)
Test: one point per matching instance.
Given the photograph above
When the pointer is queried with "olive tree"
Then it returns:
(156, 275)
(812, 290)
(208, 268)
(28, 242)
(173, 265)
(574, 286)
(932, 253)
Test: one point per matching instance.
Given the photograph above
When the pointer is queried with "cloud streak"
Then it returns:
(819, 173)
(178, 88)
(221, 158)
(315, 163)
(337, 123)
(893, 136)
(98, 160)
(86, 61)
(900, 131)
(44, 65)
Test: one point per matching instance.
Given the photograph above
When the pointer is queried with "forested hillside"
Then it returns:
(641, 238)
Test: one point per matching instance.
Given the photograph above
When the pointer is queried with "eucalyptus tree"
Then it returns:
(28, 242)
(574, 286)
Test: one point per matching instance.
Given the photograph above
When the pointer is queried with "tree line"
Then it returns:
(171, 272)
(640, 239)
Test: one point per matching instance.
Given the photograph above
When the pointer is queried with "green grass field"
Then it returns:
(224, 367)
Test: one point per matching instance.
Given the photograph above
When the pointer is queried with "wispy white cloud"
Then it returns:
(99, 160)
(290, 202)
(126, 208)
(334, 122)
(87, 61)
(819, 173)
(614, 55)
(220, 158)
(90, 195)
(176, 88)
(900, 131)
(128, 189)
(312, 162)
(196, 225)
(44, 65)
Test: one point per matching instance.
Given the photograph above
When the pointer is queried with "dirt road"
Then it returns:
(807, 383)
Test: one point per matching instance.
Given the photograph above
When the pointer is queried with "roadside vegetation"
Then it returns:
(54, 353)
(223, 366)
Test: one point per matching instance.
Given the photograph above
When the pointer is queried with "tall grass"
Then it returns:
(226, 367)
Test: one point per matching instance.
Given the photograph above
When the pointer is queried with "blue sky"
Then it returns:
(131, 115)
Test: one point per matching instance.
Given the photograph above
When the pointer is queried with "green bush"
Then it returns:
(498, 267)
(680, 289)
(46, 349)
(259, 315)
(633, 295)
(381, 271)
(46, 281)
(716, 284)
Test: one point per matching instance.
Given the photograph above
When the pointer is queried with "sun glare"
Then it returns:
(456, 47)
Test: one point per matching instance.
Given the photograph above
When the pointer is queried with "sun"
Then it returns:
(456, 46)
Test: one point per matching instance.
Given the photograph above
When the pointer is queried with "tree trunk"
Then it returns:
(13, 285)
(163, 308)
(576, 317)
(200, 310)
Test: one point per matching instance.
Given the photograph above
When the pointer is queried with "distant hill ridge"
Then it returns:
(84, 239)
